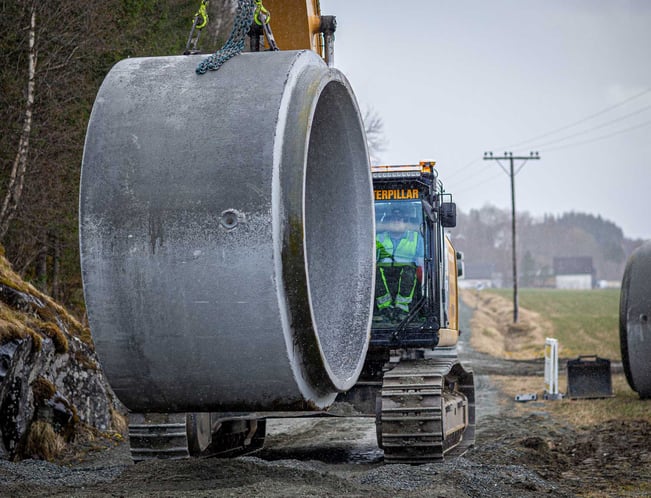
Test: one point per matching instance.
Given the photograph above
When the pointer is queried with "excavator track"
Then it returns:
(158, 436)
(426, 411)
(180, 435)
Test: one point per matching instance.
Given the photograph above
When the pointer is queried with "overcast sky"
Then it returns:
(453, 79)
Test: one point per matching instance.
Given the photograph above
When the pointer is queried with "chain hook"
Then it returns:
(203, 14)
(198, 23)
(260, 9)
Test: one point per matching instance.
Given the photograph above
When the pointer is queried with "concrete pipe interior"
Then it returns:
(226, 230)
(336, 219)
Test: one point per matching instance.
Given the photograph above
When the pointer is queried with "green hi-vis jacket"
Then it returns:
(404, 252)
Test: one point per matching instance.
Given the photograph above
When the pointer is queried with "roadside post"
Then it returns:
(551, 370)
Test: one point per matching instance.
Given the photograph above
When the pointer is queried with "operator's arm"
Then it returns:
(381, 251)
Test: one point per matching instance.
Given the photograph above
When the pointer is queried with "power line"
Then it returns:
(583, 120)
(469, 176)
(461, 169)
(473, 185)
(589, 130)
(602, 137)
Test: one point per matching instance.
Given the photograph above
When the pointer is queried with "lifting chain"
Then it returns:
(200, 21)
(235, 43)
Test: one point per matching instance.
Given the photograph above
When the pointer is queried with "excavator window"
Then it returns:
(399, 257)
(398, 218)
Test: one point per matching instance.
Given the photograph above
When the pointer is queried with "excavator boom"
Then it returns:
(296, 24)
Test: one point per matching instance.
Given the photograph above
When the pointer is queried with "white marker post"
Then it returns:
(551, 370)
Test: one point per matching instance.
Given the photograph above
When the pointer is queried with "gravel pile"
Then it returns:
(46, 474)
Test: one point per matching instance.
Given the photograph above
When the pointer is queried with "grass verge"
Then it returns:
(585, 322)
(625, 405)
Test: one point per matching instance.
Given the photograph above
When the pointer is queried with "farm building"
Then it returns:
(574, 272)
(480, 276)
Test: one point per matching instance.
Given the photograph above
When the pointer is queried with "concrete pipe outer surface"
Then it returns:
(227, 233)
(635, 320)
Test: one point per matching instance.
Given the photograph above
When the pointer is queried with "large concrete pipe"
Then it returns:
(227, 233)
(635, 320)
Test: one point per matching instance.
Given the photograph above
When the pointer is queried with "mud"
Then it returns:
(517, 453)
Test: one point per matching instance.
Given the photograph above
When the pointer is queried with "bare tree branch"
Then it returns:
(17, 177)
(375, 138)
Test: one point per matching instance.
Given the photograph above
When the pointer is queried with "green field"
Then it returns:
(585, 322)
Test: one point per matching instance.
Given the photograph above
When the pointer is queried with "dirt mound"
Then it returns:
(493, 330)
(610, 458)
(52, 389)
(621, 449)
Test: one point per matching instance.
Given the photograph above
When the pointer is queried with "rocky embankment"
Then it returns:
(52, 389)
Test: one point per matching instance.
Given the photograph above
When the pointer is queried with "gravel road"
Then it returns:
(515, 456)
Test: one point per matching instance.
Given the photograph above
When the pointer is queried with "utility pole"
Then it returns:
(509, 155)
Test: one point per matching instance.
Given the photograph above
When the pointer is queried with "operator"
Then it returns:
(399, 250)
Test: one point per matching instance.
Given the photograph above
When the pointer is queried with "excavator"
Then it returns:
(422, 396)
(209, 285)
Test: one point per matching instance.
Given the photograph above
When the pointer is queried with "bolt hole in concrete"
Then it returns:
(229, 219)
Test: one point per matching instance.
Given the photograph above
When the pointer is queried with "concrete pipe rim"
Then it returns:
(343, 172)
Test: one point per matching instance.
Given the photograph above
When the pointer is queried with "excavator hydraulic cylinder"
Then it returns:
(635, 320)
(227, 238)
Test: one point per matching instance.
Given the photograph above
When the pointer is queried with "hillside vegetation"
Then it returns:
(484, 236)
(52, 389)
(43, 119)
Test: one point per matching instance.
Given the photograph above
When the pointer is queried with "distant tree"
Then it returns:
(528, 270)
(375, 138)
(54, 56)
(14, 187)
(60, 48)
(484, 237)
(608, 235)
